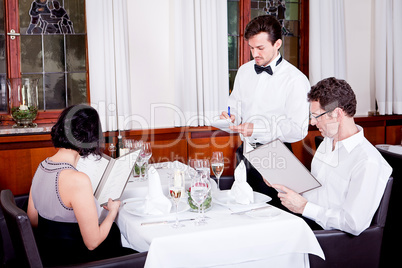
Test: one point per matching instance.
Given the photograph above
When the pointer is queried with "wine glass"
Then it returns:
(145, 155)
(137, 145)
(217, 165)
(176, 189)
(199, 192)
(128, 143)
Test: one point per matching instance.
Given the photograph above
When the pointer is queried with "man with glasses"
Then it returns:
(353, 174)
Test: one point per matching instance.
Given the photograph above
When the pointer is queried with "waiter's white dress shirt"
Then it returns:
(353, 178)
(276, 104)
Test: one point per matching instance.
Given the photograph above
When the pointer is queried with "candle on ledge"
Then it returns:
(23, 107)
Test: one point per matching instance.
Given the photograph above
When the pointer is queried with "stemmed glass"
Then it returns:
(145, 155)
(128, 143)
(176, 189)
(217, 165)
(199, 192)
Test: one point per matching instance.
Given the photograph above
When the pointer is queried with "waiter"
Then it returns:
(268, 100)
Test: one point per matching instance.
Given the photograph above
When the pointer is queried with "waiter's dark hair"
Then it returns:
(79, 128)
(265, 23)
(332, 93)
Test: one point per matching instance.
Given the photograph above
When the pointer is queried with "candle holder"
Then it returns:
(24, 104)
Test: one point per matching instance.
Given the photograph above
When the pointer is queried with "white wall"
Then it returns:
(151, 63)
(359, 56)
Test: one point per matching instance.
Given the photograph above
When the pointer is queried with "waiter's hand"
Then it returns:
(246, 129)
(290, 199)
(225, 115)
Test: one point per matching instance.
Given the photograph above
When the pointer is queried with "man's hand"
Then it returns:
(225, 115)
(246, 129)
(290, 199)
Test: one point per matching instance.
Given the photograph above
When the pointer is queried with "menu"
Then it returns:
(278, 165)
(108, 176)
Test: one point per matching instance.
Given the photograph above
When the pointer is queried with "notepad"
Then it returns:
(278, 165)
(223, 124)
(108, 176)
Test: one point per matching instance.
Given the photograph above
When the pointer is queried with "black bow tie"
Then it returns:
(259, 69)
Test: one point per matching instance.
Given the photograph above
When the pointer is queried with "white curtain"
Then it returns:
(201, 81)
(327, 43)
(108, 61)
(388, 55)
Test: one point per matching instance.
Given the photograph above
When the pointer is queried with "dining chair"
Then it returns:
(7, 255)
(345, 250)
(24, 243)
(392, 232)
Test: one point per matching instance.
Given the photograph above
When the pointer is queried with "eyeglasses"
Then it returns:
(318, 116)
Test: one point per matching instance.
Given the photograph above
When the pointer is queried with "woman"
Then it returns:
(61, 202)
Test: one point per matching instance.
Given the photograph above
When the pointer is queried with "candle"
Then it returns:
(23, 107)
(178, 179)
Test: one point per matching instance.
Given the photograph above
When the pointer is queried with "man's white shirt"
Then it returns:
(353, 178)
(276, 104)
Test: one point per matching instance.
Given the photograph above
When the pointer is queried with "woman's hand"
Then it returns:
(112, 206)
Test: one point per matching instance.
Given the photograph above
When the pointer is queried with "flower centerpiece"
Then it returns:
(24, 101)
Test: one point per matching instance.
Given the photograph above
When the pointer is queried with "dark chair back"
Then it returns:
(7, 254)
(19, 227)
(24, 243)
(345, 250)
(380, 216)
(392, 232)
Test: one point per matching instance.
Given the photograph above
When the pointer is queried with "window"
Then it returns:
(50, 45)
(292, 14)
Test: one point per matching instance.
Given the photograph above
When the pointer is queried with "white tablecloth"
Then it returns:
(396, 149)
(226, 241)
(136, 188)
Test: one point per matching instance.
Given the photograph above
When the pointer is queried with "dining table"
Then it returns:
(396, 149)
(235, 235)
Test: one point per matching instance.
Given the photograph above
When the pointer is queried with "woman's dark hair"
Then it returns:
(79, 128)
(332, 93)
(265, 23)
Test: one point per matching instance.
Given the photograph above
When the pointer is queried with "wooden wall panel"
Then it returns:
(375, 135)
(304, 150)
(19, 166)
(393, 135)
(21, 154)
(202, 148)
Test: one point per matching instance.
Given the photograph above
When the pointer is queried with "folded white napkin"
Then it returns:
(156, 203)
(241, 190)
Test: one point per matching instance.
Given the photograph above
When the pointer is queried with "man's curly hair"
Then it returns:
(332, 93)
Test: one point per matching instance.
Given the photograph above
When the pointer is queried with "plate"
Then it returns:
(136, 206)
(268, 212)
(225, 198)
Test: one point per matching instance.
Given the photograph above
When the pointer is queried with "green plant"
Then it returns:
(30, 113)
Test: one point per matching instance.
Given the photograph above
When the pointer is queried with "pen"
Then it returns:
(229, 111)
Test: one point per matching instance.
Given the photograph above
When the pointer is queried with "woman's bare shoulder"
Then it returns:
(74, 177)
